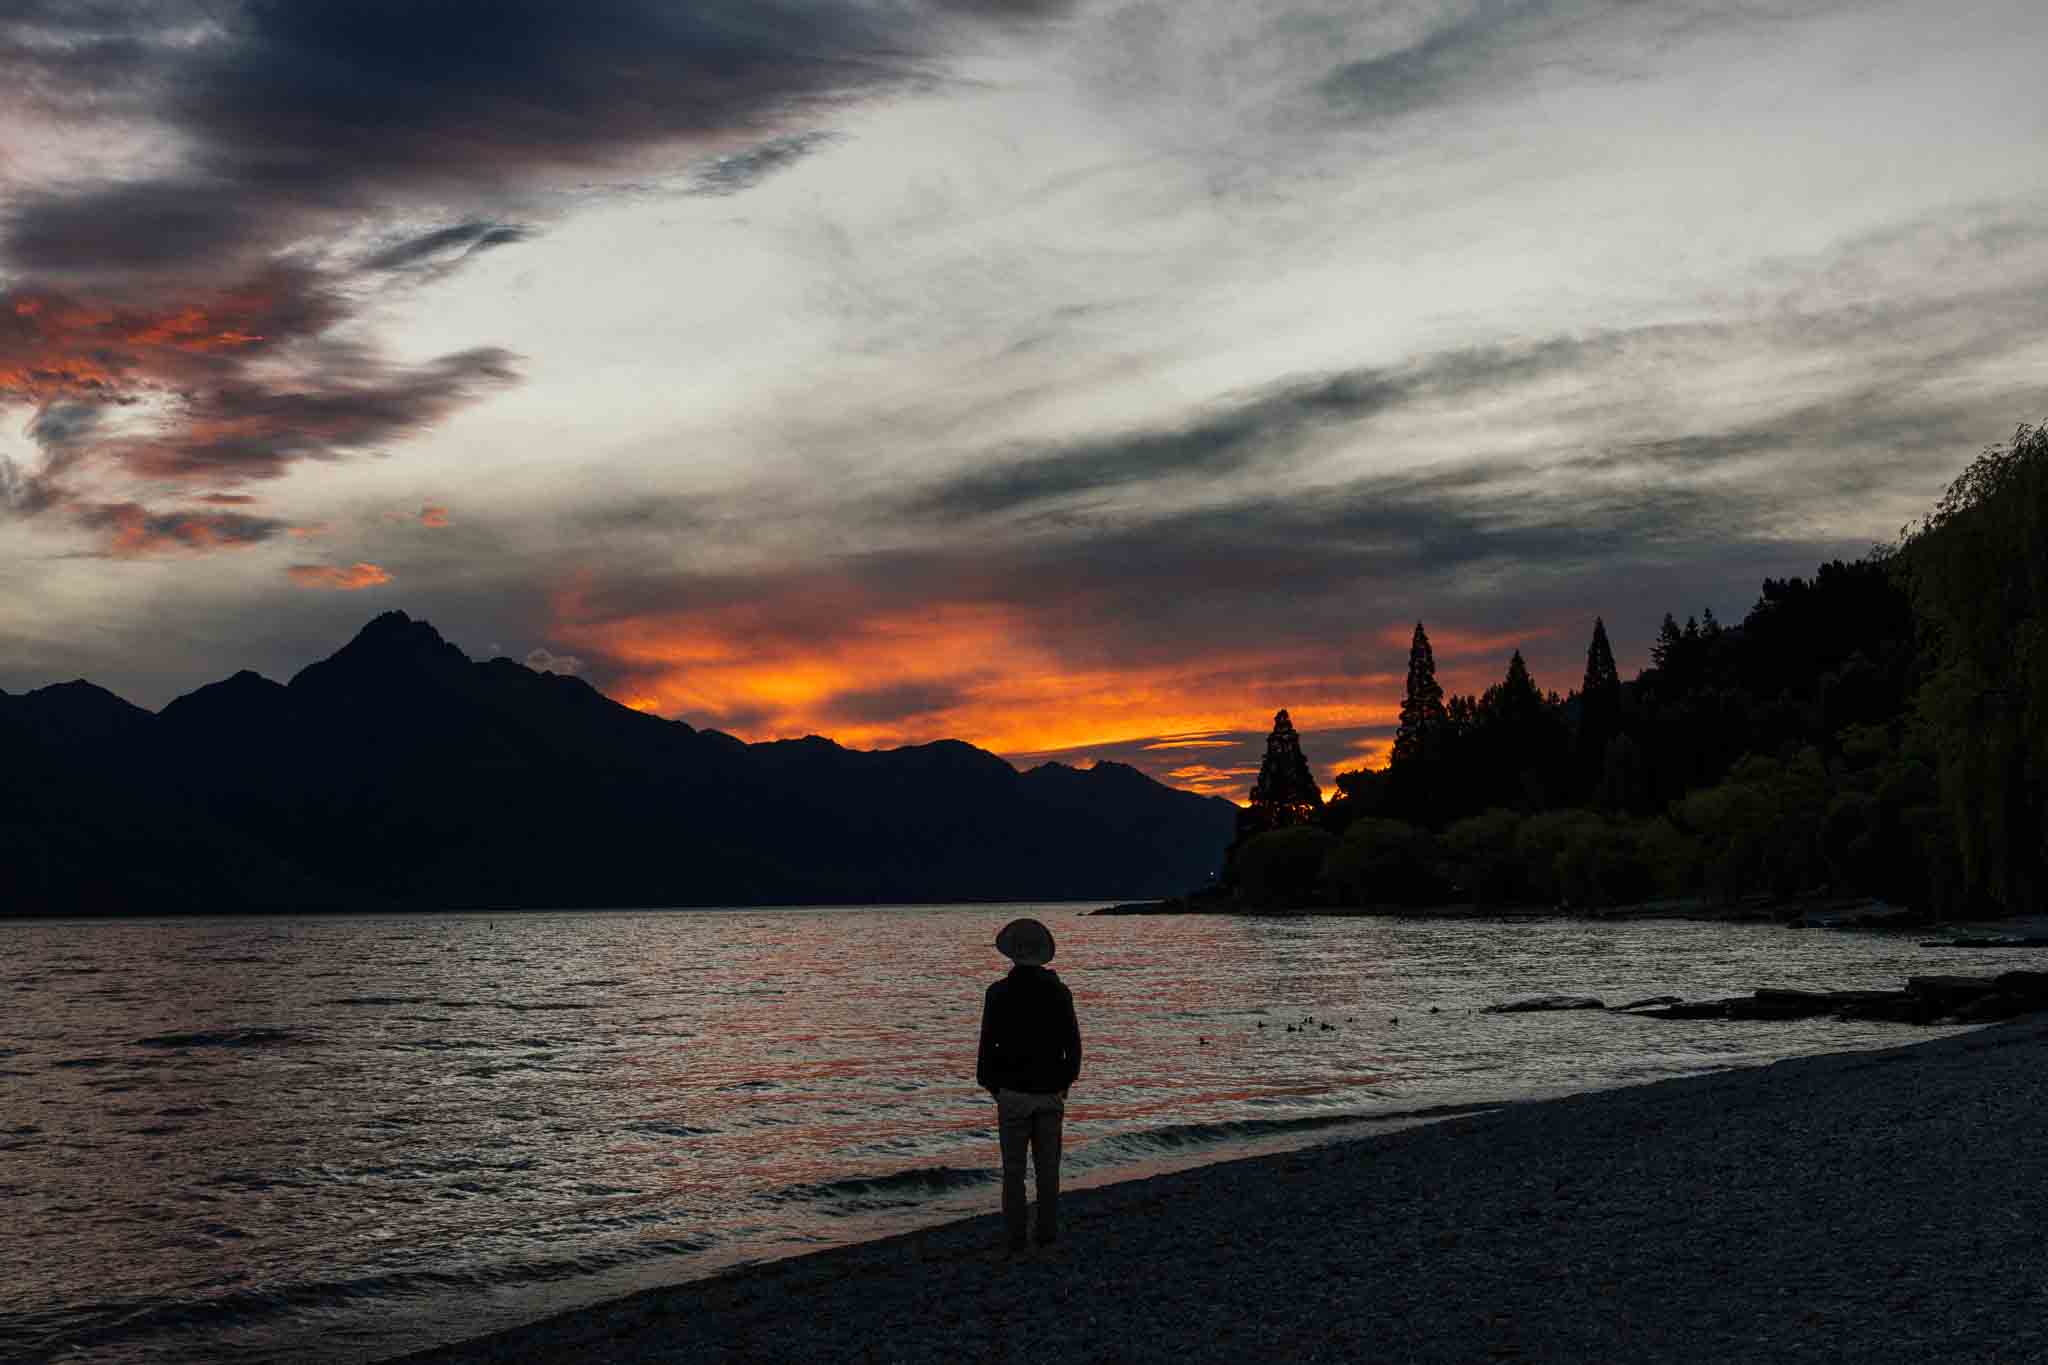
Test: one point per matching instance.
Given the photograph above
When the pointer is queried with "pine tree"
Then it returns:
(1599, 707)
(1423, 718)
(1520, 699)
(1664, 655)
(1602, 679)
(1286, 792)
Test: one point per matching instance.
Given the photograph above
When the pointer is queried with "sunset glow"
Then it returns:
(985, 371)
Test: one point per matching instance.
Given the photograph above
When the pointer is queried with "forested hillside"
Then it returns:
(1880, 729)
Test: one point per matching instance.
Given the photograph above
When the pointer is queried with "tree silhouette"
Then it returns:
(1602, 679)
(1286, 792)
(1423, 721)
(1979, 574)
(1599, 708)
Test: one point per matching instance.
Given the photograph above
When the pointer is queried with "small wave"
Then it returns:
(227, 1037)
(593, 985)
(1180, 1137)
(659, 1129)
(894, 1187)
(378, 1000)
(110, 1321)
(547, 1005)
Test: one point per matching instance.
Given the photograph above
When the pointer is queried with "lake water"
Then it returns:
(335, 1139)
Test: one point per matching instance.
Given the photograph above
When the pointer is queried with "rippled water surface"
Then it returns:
(334, 1139)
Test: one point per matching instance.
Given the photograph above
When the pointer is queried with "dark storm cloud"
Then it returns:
(298, 112)
(142, 226)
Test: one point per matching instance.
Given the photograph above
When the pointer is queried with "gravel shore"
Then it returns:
(1872, 1206)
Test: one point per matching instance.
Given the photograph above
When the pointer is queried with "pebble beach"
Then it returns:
(1888, 1205)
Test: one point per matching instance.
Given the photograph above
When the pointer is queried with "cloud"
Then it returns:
(352, 578)
(203, 277)
(1424, 57)
(1222, 442)
(216, 385)
(130, 529)
(892, 703)
(298, 114)
(434, 517)
(540, 660)
(445, 246)
(1245, 433)
(742, 171)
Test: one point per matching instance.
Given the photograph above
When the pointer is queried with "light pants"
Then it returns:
(1027, 1120)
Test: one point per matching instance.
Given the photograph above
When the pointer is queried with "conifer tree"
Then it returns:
(1419, 738)
(1520, 698)
(1602, 679)
(1664, 655)
(1286, 792)
(1599, 707)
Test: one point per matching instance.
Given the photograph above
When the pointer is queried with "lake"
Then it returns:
(338, 1138)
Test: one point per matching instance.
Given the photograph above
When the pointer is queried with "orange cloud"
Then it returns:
(211, 386)
(432, 516)
(131, 530)
(1209, 781)
(351, 579)
(1369, 753)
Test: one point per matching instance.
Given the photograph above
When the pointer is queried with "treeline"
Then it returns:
(1879, 729)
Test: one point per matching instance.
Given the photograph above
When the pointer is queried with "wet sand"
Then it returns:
(1872, 1206)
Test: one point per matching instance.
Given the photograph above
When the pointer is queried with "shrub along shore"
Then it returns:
(1880, 1206)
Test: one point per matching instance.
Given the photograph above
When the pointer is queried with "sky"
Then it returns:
(1086, 379)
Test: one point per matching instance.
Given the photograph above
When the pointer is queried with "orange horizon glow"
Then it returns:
(1004, 692)
(989, 674)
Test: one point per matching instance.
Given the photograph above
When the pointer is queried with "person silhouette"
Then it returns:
(1030, 1054)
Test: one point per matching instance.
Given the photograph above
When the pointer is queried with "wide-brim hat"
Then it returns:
(1025, 942)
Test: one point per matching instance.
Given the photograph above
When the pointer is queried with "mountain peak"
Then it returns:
(81, 712)
(391, 643)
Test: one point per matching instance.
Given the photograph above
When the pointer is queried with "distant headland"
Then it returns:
(1876, 733)
(400, 774)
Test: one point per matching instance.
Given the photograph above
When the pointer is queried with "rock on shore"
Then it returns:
(1925, 1000)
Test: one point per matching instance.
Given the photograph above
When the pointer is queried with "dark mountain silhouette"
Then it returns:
(400, 773)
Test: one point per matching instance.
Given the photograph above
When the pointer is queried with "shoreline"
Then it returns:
(1796, 912)
(1788, 1211)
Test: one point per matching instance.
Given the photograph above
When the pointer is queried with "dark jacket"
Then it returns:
(1030, 1039)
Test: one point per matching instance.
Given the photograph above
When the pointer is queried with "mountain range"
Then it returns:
(400, 774)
